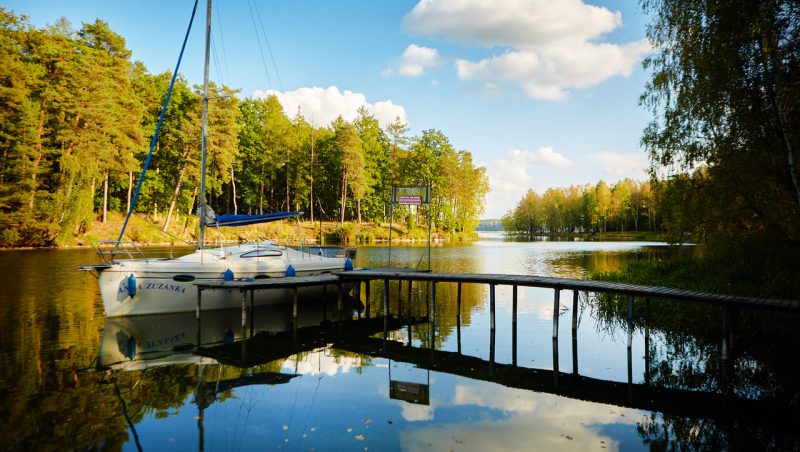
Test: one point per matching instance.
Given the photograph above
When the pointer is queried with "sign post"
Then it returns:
(410, 196)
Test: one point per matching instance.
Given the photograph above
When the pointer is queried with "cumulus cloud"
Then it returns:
(414, 61)
(512, 175)
(629, 165)
(320, 106)
(545, 48)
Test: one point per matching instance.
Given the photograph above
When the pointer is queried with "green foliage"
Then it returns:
(628, 205)
(752, 271)
(724, 96)
(76, 112)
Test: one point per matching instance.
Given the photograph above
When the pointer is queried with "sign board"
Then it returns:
(411, 196)
(410, 392)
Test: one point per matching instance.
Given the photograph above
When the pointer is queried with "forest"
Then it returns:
(627, 205)
(77, 115)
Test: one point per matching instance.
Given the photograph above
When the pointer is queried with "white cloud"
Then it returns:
(547, 421)
(414, 61)
(547, 47)
(628, 165)
(320, 106)
(510, 177)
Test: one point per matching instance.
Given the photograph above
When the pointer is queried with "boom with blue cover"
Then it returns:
(244, 220)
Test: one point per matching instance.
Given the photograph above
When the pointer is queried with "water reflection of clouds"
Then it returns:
(317, 362)
(534, 421)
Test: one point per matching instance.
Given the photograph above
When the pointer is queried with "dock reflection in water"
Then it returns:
(439, 393)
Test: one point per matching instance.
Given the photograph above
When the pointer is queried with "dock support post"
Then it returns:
(514, 325)
(244, 312)
(197, 317)
(647, 340)
(385, 307)
(294, 306)
(725, 327)
(433, 317)
(458, 317)
(252, 312)
(630, 346)
(491, 307)
(339, 303)
(555, 362)
(357, 295)
(410, 302)
(556, 308)
(366, 289)
(575, 297)
(491, 327)
(199, 297)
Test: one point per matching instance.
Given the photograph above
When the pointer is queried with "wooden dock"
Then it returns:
(581, 285)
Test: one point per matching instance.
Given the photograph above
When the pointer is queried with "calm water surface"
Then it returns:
(71, 379)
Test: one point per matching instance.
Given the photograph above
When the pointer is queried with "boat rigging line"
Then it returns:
(253, 5)
(158, 129)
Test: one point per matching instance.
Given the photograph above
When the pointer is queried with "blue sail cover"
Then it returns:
(244, 220)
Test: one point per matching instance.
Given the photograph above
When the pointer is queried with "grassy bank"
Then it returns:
(148, 231)
(752, 271)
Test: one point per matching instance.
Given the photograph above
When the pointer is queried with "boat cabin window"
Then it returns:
(263, 253)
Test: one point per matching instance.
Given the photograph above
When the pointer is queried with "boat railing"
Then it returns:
(110, 250)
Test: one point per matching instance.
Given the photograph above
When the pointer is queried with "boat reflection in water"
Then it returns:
(141, 342)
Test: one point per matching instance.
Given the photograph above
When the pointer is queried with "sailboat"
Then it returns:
(133, 284)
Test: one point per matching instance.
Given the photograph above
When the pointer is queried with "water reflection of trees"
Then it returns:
(686, 352)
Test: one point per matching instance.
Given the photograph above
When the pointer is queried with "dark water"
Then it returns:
(73, 380)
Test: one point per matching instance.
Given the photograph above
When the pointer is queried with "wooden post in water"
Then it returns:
(555, 362)
(556, 307)
(197, 317)
(357, 295)
(244, 312)
(199, 298)
(410, 300)
(366, 289)
(458, 316)
(252, 312)
(725, 326)
(647, 340)
(514, 325)
(491, 307)
(575, 296)
(385, 307)
(295, 300)
(339, 301)
(433, 317)
(630, 345)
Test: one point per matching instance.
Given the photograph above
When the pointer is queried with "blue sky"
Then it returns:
(543, 93)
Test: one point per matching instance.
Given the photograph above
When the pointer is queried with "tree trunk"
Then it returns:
(130, 189)
(105, 198)
(175, 194)
(233, 188)
(189, 210)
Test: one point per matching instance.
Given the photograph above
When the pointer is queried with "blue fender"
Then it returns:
(131, 285)
(228, 275)
(290, 271)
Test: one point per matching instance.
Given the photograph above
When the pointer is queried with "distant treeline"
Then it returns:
(625, 206)
(77, 115)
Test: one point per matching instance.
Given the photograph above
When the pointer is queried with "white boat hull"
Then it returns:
(158, 286)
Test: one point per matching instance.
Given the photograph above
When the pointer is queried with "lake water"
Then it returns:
(71, 379)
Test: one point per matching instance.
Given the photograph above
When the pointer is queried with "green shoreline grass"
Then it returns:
(147, 232)
(764, 272)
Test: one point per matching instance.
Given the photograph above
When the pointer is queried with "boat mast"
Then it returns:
(204, 146)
